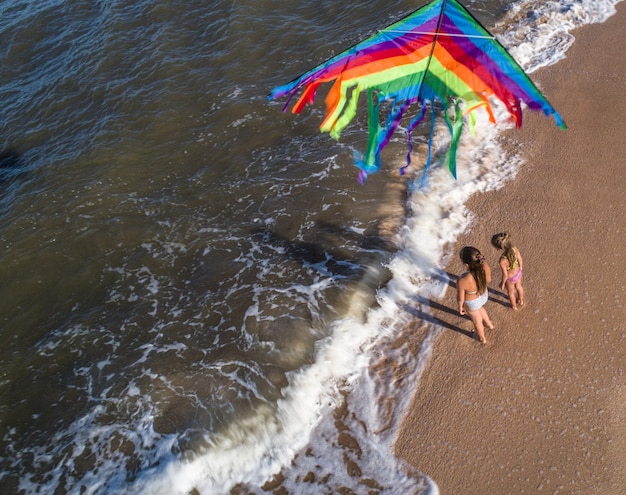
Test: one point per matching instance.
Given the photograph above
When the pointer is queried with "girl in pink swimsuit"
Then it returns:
(511, 266)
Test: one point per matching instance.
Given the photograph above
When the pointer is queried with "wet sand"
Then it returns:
(541, 408)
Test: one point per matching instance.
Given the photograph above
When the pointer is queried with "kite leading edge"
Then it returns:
(438, 55)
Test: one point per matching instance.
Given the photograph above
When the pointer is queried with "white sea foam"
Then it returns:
(539, 34)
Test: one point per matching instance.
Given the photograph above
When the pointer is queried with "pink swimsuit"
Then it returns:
(517, 277)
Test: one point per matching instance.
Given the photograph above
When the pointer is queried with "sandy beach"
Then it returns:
(541, 408)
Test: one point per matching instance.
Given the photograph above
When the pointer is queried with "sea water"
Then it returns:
(197, 295)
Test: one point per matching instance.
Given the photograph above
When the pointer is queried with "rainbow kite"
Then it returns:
(439, 54)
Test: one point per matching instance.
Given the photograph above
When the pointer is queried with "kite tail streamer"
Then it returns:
(430, 137)
(559, 121)
(429, 154)
(349, 111)
(369, 163)
(455, 128)
(471, 117)
(335, 102)
(393, 121)
(378, 137)
(412, 125)
(308, 96)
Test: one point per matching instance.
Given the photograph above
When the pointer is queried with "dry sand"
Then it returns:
(542, 407)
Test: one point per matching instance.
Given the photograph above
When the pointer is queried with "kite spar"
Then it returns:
(438, 55)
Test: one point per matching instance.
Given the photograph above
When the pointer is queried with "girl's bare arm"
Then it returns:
(487, 271)
(460, 295)
(503, 266)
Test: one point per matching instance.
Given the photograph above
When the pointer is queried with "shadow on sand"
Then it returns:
(448, 316)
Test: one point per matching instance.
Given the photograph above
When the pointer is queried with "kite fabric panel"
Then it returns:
(438, 55)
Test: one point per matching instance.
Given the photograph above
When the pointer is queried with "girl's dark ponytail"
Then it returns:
(474, 260)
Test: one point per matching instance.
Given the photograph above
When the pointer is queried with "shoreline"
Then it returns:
(540, 408)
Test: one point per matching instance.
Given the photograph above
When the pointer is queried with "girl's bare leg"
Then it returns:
(510, 288)
(485, 318)
(477, 320)
(520, 293)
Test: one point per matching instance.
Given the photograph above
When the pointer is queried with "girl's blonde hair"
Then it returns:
(474, 260)
(503, 241)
